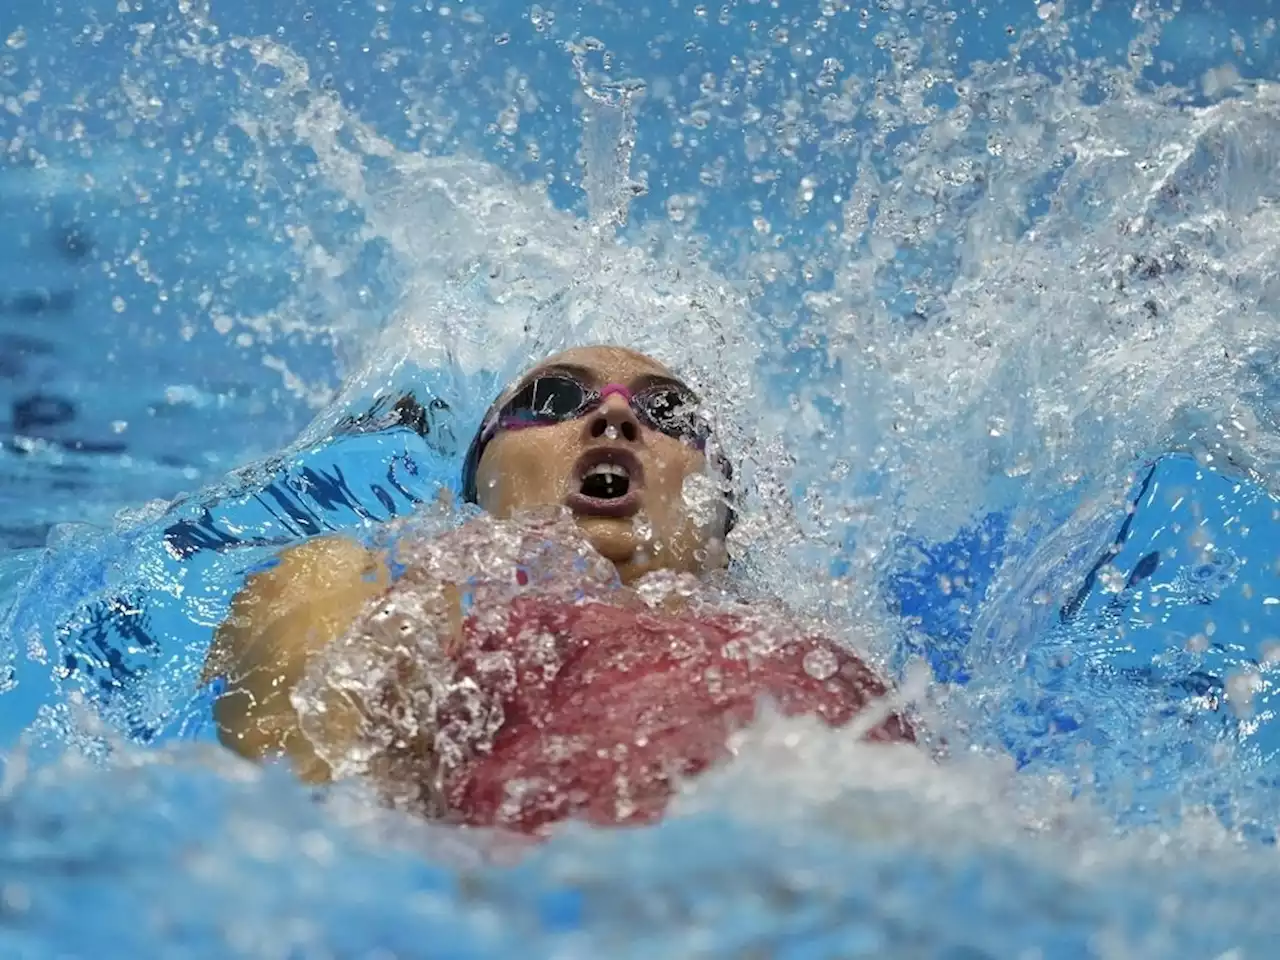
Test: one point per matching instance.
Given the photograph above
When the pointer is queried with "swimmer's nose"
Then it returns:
(613, 420)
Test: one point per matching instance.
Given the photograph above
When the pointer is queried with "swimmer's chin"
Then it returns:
(613, 537)
(616, 540)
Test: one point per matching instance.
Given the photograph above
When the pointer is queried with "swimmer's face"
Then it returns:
(623, 479)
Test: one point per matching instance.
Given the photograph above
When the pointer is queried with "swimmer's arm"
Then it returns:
(279, 621)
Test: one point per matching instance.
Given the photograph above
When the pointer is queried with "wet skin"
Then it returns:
(286, 616)
(651, 528)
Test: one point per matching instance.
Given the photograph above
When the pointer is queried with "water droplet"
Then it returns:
(642, 527)
(679, 206)
(1111, 578)
(820, 663)
(700, 496)
(1242, 687)
(542, 20)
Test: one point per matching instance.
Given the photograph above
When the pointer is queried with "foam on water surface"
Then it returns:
(945, 310)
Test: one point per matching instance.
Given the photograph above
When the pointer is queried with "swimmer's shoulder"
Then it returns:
(281, 621)
(283, 617)
(313, 585)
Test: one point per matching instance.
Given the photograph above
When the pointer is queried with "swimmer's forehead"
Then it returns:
(605, 364)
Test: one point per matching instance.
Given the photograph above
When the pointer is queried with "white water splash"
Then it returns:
(1019, 288)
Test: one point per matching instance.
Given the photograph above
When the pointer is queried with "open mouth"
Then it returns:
(608, 483)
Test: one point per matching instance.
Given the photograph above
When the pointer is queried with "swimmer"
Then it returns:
(605, 701)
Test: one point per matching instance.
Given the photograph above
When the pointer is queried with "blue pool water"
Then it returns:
(983, 294)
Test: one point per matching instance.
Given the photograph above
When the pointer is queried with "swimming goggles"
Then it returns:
(669, 407)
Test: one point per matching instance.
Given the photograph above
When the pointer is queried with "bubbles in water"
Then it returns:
(1049, 11)
(1111, 579)
(495, 612)
(1242, 687)
(509, 120)
(541, 18)
(1207, 579)
(992, 288)
(642, 526)
(820, 664)
(702, 498)
(663, 587)
(418, 717)
(681, 207)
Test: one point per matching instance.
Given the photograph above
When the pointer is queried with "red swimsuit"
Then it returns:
(604, 707)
